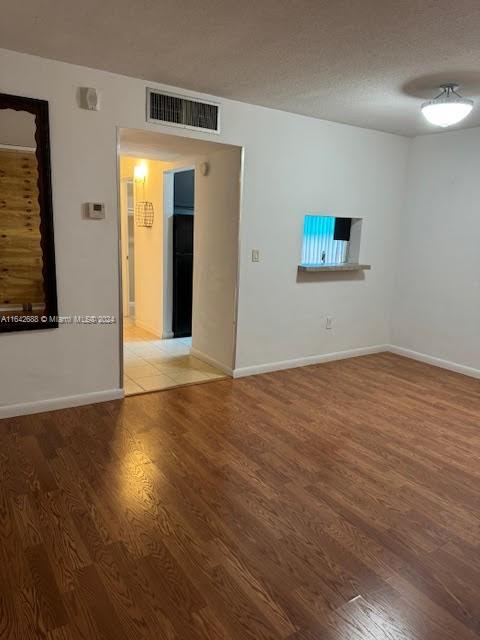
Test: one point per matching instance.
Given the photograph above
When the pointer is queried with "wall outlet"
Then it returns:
(255, 255)
(329, 322)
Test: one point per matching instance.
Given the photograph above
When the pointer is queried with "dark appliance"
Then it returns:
(182, 274)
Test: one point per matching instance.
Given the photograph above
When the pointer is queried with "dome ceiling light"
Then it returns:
(448, 107)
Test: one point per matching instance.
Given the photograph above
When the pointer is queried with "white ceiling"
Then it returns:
(364, 62)
(159, 146)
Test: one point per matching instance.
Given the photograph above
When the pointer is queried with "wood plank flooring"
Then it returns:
(337, 502)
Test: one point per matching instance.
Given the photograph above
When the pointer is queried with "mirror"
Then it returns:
(28, 298)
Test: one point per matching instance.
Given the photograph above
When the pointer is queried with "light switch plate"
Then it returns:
(255, 255)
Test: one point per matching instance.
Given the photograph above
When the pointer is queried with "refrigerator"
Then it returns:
(182, 274)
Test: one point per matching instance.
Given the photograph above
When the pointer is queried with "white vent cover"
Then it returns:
(182, 112)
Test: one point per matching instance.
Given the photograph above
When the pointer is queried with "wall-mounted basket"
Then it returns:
(144, 213)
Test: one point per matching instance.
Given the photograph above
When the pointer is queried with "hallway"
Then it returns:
(151, 364)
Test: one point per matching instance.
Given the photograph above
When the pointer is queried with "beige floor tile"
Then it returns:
(157, 382)
(172, 371)
(153, 364)
(146, 350)
(176, 348)
(141, 370)
(171, 341)
(157, 358)
(188, 376)
(200, 365)
(131, 387)
(179, 361)
(179, 366)
(127, 349)
(132, 359)
(129, 343)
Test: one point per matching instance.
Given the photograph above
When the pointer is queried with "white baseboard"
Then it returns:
(147, 327)
(437, 362)
(303, 362)
(53, 404)
(215, 363)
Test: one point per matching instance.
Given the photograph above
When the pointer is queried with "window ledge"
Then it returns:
(346, 266)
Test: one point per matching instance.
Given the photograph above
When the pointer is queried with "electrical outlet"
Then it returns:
(255, 255)
(329, 322)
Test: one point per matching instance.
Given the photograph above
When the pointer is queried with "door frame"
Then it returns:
(119, 251)
(124, 247)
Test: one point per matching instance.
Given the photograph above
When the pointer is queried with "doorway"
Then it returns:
(179, 277)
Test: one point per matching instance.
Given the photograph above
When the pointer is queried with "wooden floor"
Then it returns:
(339, 501)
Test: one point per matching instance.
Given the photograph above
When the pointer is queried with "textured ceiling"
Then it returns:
(160, 146)
(364, 62)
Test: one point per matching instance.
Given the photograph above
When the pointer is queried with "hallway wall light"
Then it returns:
(140, 172)
(144, 212)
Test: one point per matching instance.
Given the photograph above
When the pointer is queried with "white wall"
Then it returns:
(293, 165)
(437, 304)
(217, 204)
(304, 167)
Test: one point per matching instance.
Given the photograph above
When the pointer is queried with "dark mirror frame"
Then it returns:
(39, 108)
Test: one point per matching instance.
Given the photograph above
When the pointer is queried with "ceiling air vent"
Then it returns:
(178, 111)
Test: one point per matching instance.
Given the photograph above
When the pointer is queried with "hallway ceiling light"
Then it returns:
(448, 107)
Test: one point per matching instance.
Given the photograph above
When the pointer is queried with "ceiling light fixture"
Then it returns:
(448, 107)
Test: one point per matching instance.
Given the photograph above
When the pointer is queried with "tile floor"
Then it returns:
(151, 364)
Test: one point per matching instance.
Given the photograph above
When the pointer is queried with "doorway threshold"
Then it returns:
(154, 364)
